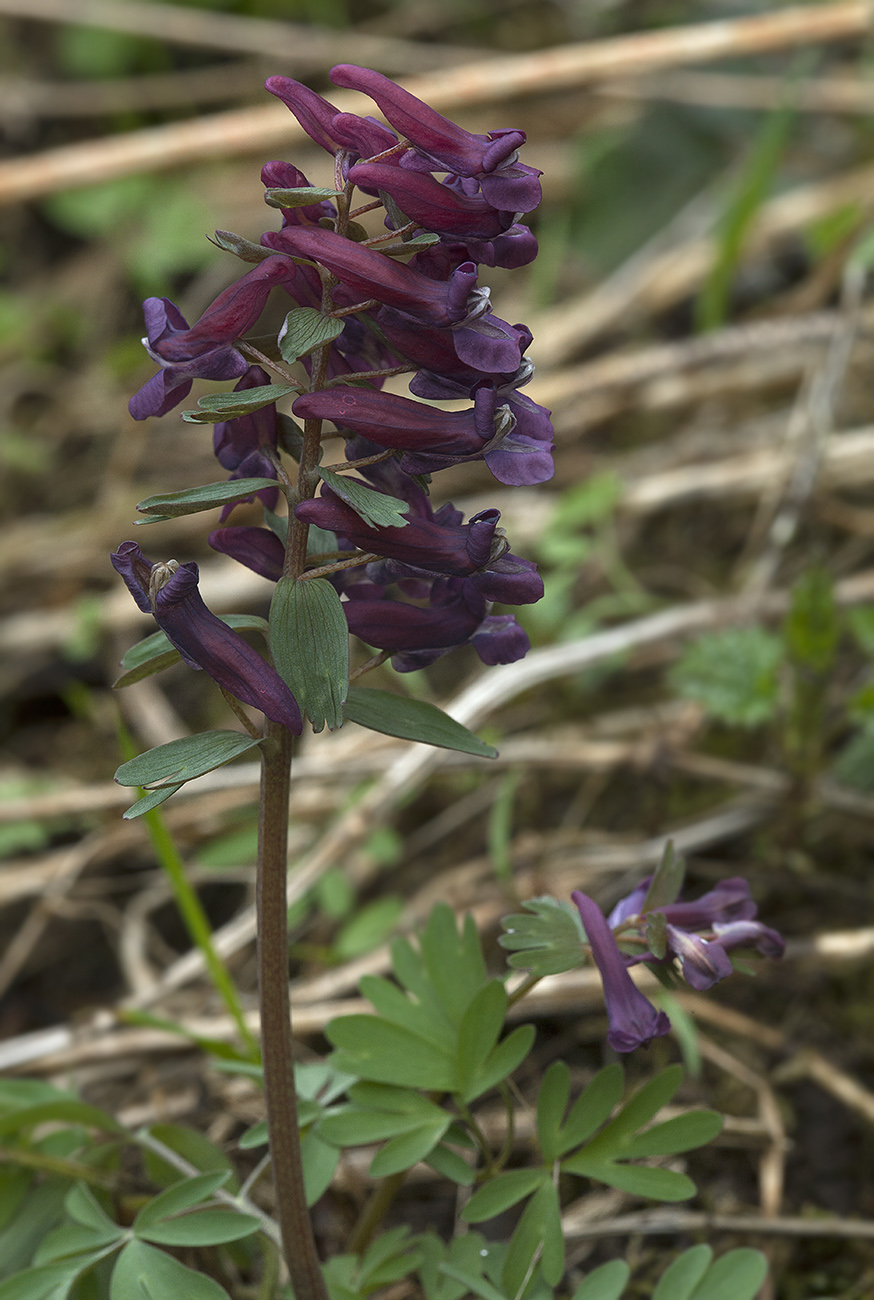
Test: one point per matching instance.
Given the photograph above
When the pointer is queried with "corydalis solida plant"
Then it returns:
(412, 582)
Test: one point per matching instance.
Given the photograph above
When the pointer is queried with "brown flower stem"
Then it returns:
(298, 1243)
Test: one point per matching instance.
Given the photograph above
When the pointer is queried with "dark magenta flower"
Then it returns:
(417, 635)
(205, 350)
(491, 159)
(433, 437)
(328, 127)
(372, 275)
(633, 1020)
(257, 548)
(476, 350)
(431, 204)
(438, 544)
(749, 934)
(202, 639)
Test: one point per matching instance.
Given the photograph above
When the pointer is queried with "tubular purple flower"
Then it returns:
(425, 543)
(703, 963)
(327, 126)
(418, 635)
(202, 639)
(204, 350)
(482, 350)
(491, 158)
(257, 548)
(749, 934)
(634, 1021)
(432, 205)
(729, 901)
(373, 275)
(435, 438)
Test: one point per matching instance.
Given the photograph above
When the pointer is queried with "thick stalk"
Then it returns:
(298, 1243)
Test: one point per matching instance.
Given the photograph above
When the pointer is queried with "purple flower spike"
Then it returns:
(490, 158)
(634, 1021)
(202, 639)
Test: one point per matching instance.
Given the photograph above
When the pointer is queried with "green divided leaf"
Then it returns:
(63, 1110)
(408, 719)
(217, 407)
(371, 1048)
(376, 508)
(734, 675)
(181, 1196)
(502, 1192)
(812, 628)
(591, 1108)
(183, 760)
(736, 1275)
(538, 1234)
(682, 1276)
(546, 943)
(605, 1283)
(203, 1228)
(637, 1180)
(144, 1273)
(169, 505)
(682, 1133)
(304, 330)
(309, 641)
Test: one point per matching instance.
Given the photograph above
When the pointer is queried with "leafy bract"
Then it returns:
(184, 759)
(309, 641)
(214, 408)
(191, 501)
(376, 508)
(409, 719)
(305, 329)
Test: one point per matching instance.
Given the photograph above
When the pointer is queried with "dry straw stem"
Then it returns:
(491, 81)
(301, 46)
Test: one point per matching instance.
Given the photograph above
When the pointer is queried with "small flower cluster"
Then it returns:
(455, 199)
(724, 914)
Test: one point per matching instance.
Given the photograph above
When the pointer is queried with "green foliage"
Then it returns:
(375, 508)
(169, 766)
(548, 941)
(733, 674)
(757, 176)
(214, 408)
(304, 330)
(411, 719)
(191, 501)
(309, 641)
